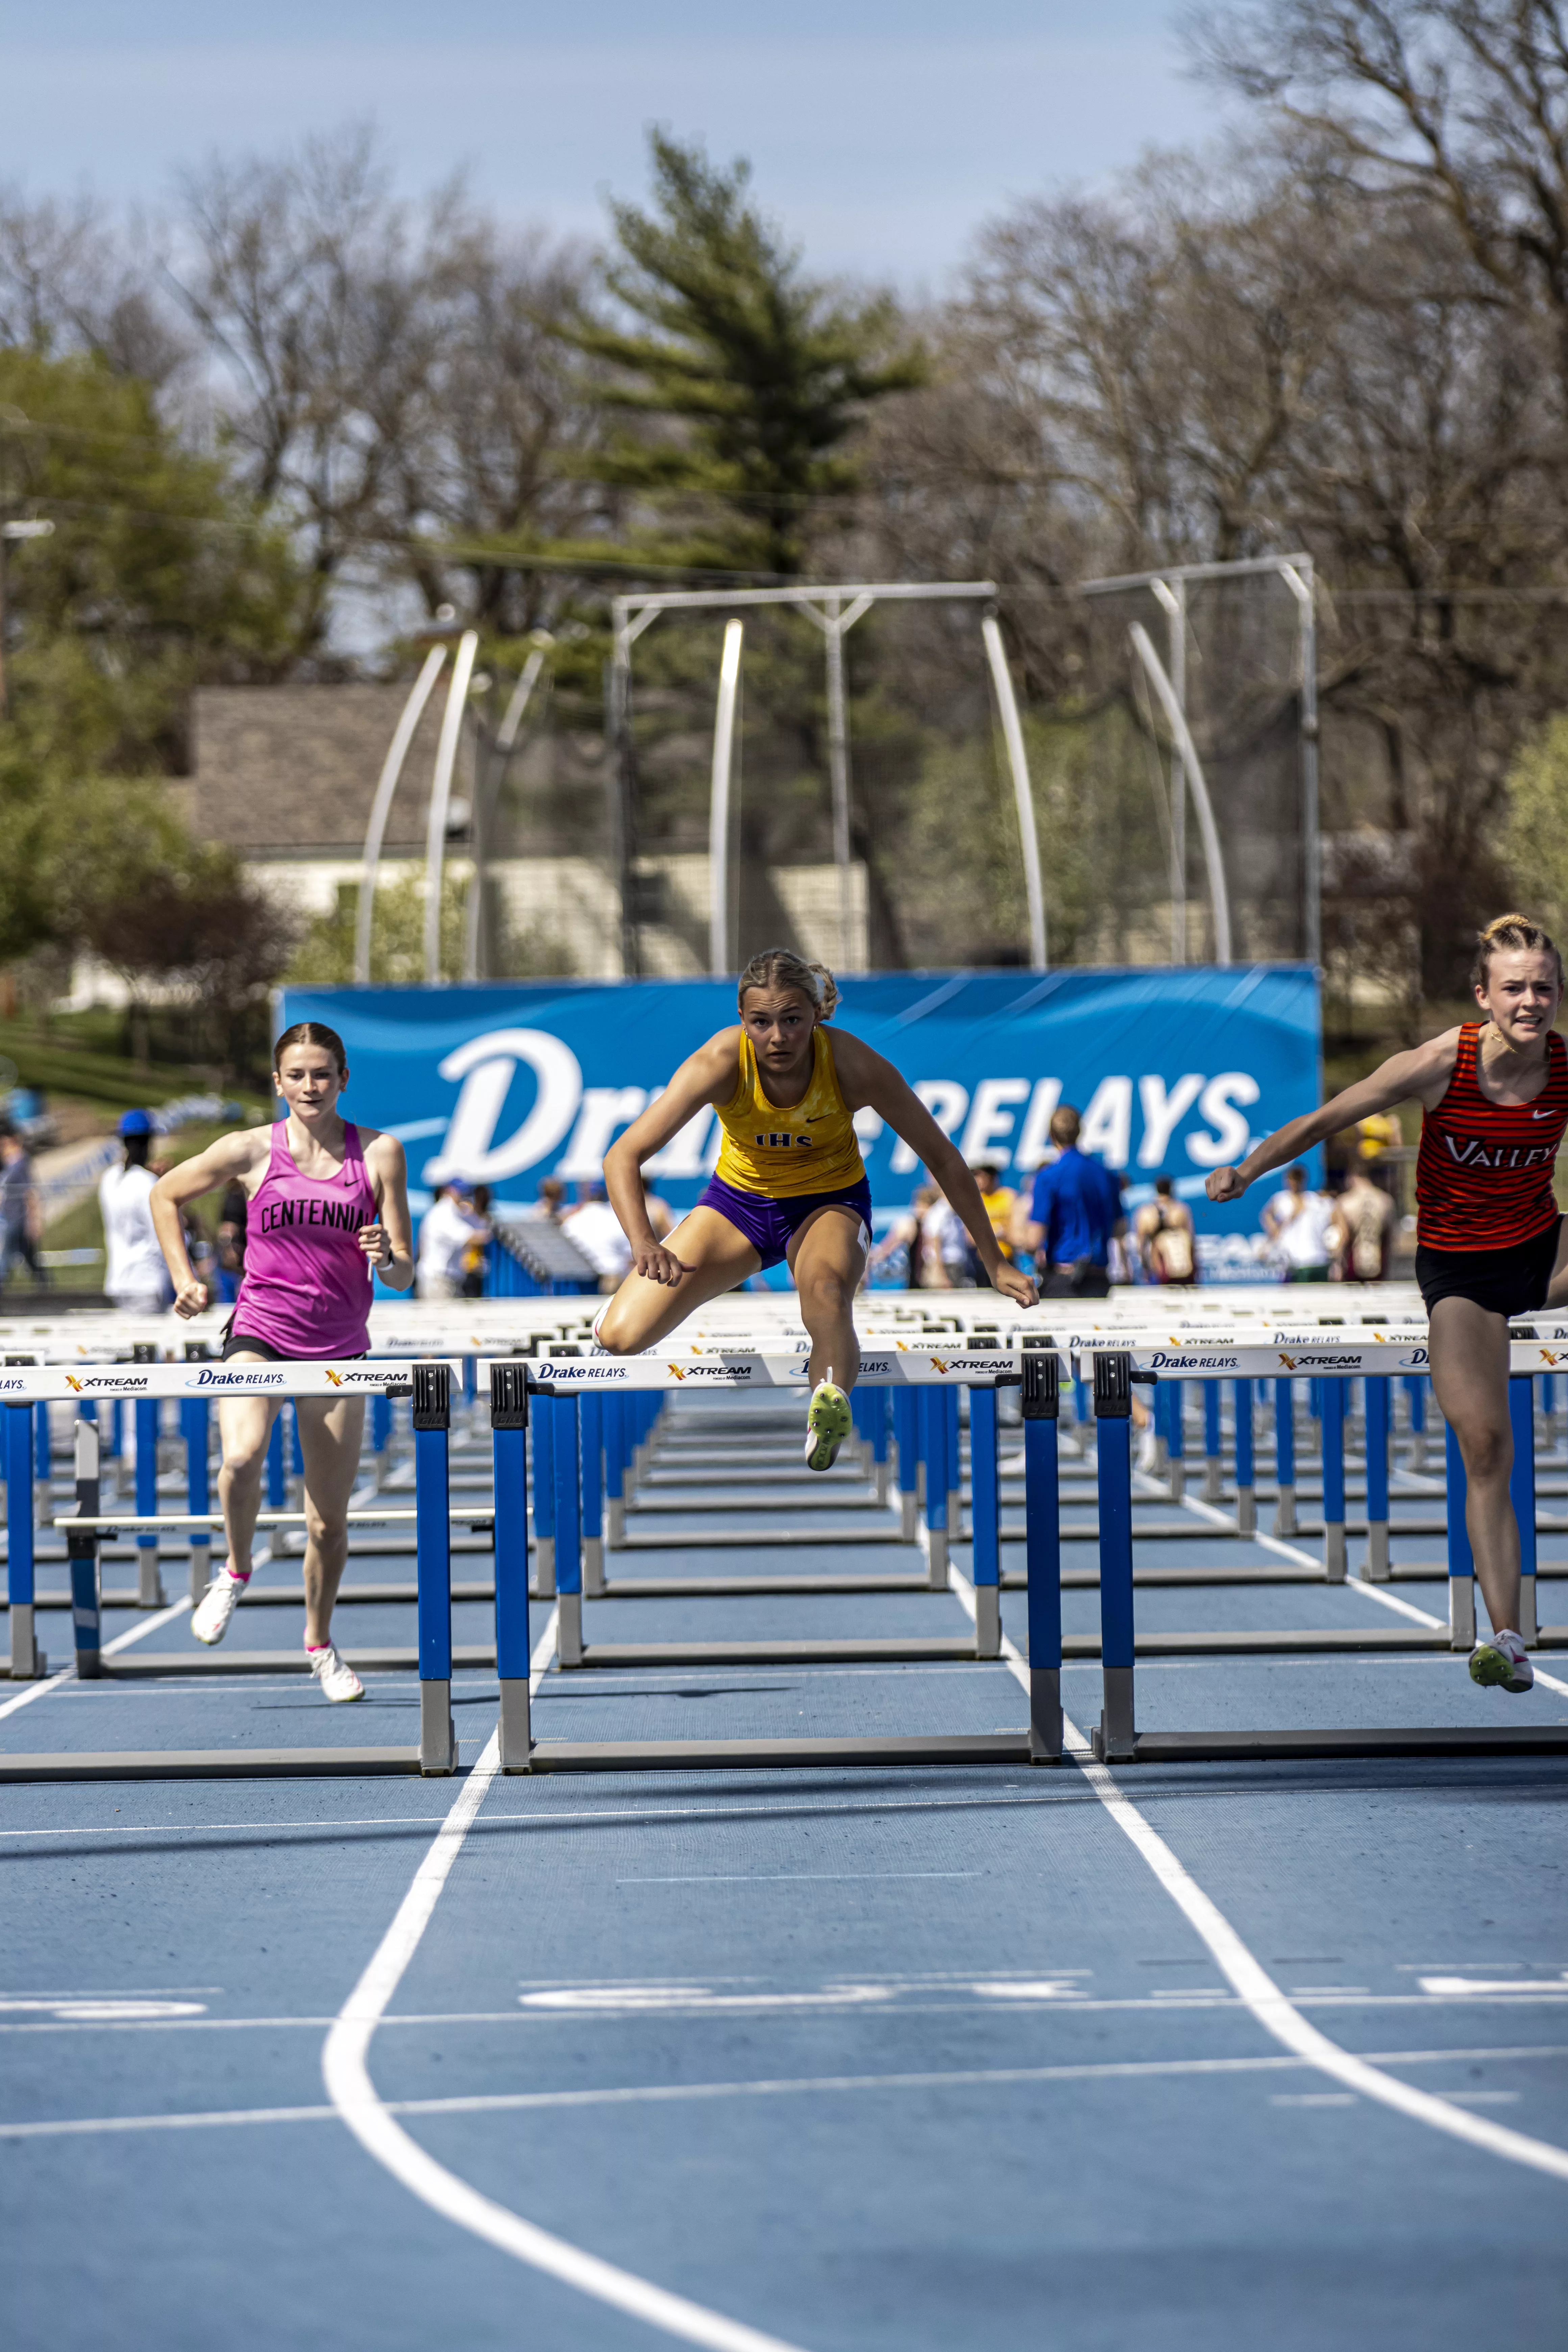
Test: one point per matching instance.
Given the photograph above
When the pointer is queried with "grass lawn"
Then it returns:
(82, 1227)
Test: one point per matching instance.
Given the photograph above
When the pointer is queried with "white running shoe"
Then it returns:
(1502, 1664)
(1149, 1452)
(827, 1425)
(216, 1606)
(337, 1680)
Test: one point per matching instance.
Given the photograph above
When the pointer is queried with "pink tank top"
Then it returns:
(306, 1289)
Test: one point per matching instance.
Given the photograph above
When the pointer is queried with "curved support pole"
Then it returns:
(381, 807)
(1218, 895)
(1013, 736)
(487, 786)
(719, 941)
(440, 801)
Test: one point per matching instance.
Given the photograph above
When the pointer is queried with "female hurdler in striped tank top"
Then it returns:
(328, 1201)
(1489, 1239)
(790, 1185)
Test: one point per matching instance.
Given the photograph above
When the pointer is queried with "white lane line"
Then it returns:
(662, 2094)
(1268, 2003)
(1357, 1584)
(37, 1690)
(347, 2076)
(121, 1642)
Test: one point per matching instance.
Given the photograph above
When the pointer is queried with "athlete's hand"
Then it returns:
(191, 1297)
(1013, 1284)
(376, 1243)
(659, 1265)
(1226, 1184)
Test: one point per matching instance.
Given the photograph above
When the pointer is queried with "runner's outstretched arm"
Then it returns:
(1422, 1071)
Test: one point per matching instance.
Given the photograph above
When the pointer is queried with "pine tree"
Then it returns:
(752, 377)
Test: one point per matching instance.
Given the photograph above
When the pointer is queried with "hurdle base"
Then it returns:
(616, 1521)
(514, 1729)
(150, 1593)
(936, 1559)
(544, 1567)
(1045, 1715)
(1246, 1511)
(212, 1764)
(987, 1622)
(1114, 1739)
(1374, 1568)
(1461, 1612)
(1285, 1510)
(1177, 1470)
(201, 1572)
(899, 1650)
(1334, 1551)
(732, 1587)
(1283, 1746)
(28, 1663)
(594, 1568)
(146, 1665)
(437, 1740)
(908, 1516)
(569, 1628)
(1528, 1628)
(770, 1755)
(1213, 1478)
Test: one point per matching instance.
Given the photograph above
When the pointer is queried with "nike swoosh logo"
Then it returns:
(1540, 1114)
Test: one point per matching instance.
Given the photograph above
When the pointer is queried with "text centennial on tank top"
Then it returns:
(307, 1289)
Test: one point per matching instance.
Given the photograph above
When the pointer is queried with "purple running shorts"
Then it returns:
(771, 1225)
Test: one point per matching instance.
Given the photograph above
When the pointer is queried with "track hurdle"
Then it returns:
(28, 1660)
(428, 1385)
(561, 1382)
(518, 1386)
(1117, 1739)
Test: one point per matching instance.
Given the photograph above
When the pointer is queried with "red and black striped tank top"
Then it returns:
(1483, 1179)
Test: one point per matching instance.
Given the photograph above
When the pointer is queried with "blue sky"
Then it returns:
(882, 132)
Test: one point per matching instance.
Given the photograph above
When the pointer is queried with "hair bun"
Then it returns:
(782, 968)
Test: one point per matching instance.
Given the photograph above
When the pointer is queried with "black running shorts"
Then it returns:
(1506, 1282)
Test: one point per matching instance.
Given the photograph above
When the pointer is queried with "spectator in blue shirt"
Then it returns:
(1074, 1216)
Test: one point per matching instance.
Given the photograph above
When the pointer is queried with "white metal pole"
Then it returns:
(838, 775)
(1175, 718)
(381, 806)
(1013, 736)
(476, 942)
(1174, 600)
(440, 800)
(1297, 578)
(719, 941)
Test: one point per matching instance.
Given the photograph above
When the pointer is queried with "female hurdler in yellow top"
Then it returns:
(790, 1182)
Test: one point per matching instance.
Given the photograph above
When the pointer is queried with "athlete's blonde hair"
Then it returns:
(782, 968)
(1510, 931)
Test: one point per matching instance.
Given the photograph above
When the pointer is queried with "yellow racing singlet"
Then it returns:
(811, 1149)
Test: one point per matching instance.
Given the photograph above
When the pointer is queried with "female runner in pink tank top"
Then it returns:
(328, 1201)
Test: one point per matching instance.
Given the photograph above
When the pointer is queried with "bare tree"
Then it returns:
(1464, 100)
(72, 279)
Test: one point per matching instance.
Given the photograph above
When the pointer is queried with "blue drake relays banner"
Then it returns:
(1172, 1071)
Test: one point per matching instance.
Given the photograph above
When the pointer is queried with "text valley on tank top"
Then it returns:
(811, 1148)
(1483, 1176)
(305, 1288)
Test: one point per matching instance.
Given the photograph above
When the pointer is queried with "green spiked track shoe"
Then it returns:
(827, 1425)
